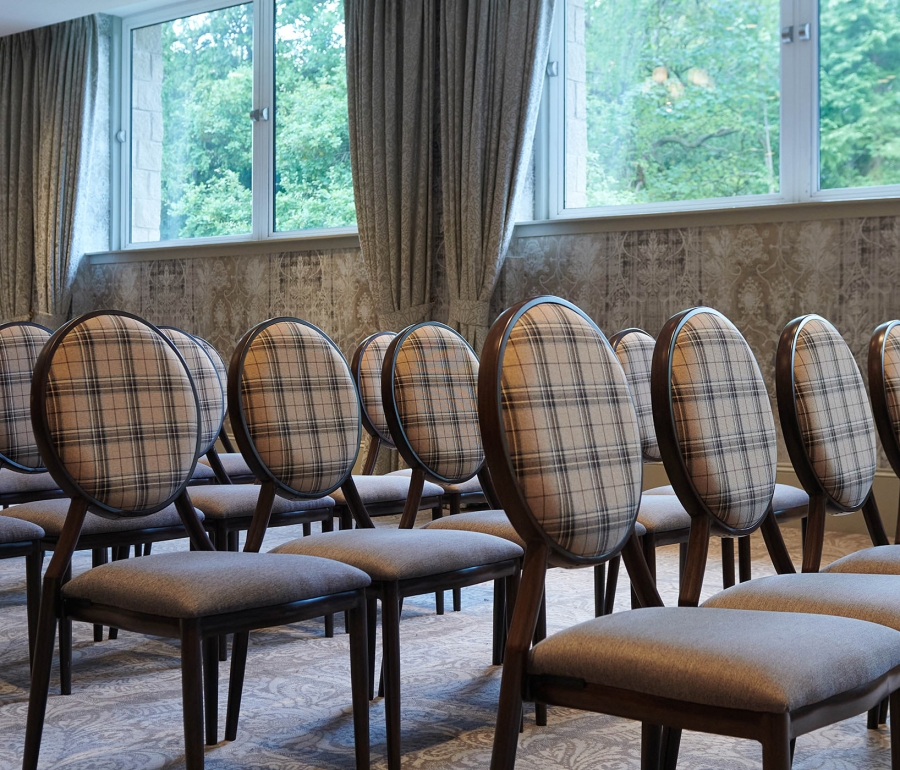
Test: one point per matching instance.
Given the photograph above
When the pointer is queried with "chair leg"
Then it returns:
(118, 553)
(651, 736)
(883, 712)
(98, 556)
(872, 717)
(192, 694)
(371, 619)
(328, 526)
(40, 679)
(390, 633)
(438, 602)
(499, 621)
(682, 561)
(895, 729)
(211, 689)
(745, 559)
(727, 562)
(671, 743)
(239, 647)
(776, 748)
(65, 646)
(33, 563)
(612, 579)
(359, 682)
(599, 589)
(457, 599)
(540, 633)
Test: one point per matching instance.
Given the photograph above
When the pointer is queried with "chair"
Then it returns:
(295, 413)
(716, 433)
(21, 538)
(666, 520)
(551, 388)
(884, 387)
(117, 420)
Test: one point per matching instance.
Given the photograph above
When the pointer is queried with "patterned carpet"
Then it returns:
(125, 710)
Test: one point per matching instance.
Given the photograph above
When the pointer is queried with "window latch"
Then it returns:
(258, 115)
(787, 35)
(803, 32)
(552, 69)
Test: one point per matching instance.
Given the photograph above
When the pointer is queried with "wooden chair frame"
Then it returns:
(820, 501)
(31, 550)
(199, 637)
(878, 394)
(389, 593)
(776, 732)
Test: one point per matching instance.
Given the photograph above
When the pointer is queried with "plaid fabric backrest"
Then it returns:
(833, 412)
(121, 412)
(892, 376)
(210, 392)
(723, 419)
(635, 352)
(571, 430)
(300, 406)
(216, 358)
(435, 376)
(20, 344)
(370, 364)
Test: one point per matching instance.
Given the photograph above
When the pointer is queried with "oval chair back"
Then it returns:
(20, 345)
(827, 422)
(634, 349)
(560, 433)
(295, 413)
(366, 365)
(716, 431)
(884, 389)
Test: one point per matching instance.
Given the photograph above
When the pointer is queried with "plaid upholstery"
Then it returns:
(723, 419)
(572, 430)
(833, 411)
(216, 358)
(435, 391)
(370, 380)
(300, 407)
(210, 392)
(635, 352)
(892, 376)
(121, 413)
(20, 345)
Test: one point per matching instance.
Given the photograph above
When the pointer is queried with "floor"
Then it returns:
(125, 710)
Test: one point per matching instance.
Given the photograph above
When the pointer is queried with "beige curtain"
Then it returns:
(492, 57)
(48, 86)
(390, 68)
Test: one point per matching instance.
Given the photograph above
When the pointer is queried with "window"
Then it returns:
(235, 122)
(660, 106)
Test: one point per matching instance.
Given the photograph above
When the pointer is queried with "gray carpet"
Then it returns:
(125, 710)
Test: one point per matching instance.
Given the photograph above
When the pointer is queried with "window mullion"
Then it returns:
(263, 130)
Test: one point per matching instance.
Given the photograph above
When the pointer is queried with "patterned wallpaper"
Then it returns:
(760, 276)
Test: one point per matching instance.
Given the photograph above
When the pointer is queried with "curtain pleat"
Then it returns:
(49, 79)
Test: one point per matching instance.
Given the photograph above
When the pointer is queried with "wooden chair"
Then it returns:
(884, 389)
(665, 519)
(117, 419)
(21, 538)
(717, 436)
(563, 446)
(296, 416)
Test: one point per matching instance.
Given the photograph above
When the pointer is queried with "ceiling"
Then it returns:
(17, 16)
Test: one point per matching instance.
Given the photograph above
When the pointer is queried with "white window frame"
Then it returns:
(799, 135)
(263, 138)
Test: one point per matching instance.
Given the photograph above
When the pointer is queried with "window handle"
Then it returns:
(787, 35)
(258, 115)
(803, 32)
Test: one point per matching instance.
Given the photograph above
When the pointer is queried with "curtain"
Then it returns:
(492, 55)
(48, 89)
(390, 90)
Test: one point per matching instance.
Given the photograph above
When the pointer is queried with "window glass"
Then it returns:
(671, 101)
(859, 93)
(313, 184)
(191, 135)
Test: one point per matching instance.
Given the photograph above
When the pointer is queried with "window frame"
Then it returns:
(799, 135)
(263, 132)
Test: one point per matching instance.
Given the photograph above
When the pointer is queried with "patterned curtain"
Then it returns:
(48, 88)
(492, 55)
(390, 65)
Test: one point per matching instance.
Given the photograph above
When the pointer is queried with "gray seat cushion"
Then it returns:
(762, 661)
(18, 531)
(202, 472)
(13, 483)
(193, 584)
(785, 498)
(233, 462)
(494, 523)
(50, 515)
(398, 554)
(864, 597)
(385, 489)
(880, 560)
(662, 513)
(228, 501)
(469, 487)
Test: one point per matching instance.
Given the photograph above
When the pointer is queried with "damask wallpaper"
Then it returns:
(760, 276)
